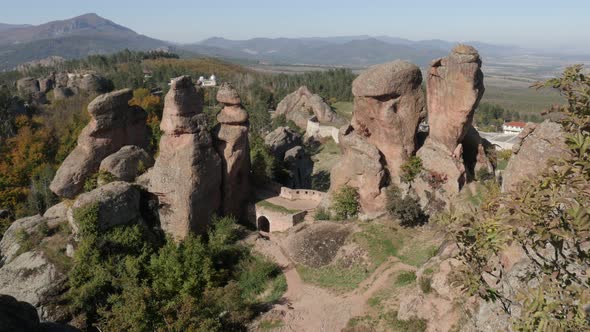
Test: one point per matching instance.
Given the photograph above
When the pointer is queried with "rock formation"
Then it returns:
(454, 88)
(361, 167)
(388, 107)
(231, 143)
(27, 86)
(27, 273)
(186, 176)
(127, 163)
(113, 125)
(281, 140)
(286, 145)
(301, 105)
(538, 144)
(117, 203)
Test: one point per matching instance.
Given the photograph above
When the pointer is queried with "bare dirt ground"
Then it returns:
(306, 307)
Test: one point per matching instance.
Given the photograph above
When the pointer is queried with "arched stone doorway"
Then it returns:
(263, 224)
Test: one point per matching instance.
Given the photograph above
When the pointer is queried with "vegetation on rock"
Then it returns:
(548, 218)
(346, 203)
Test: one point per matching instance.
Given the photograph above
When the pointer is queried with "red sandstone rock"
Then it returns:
(113, 125)
(231, 143)
(455, 87)
(301, 105)
(387, 109)
(186, 176)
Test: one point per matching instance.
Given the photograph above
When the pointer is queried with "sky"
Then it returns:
(539, 23)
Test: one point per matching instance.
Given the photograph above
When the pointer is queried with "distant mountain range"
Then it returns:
(91, 34)
(72, 38)
(350, 51)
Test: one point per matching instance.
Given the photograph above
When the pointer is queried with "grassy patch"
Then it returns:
(379, 241)
(335, 277)
(387, 322)
(405, 278)
(417, 254)
(344, 109)
(270, 324)
(274, 207)
(54, 248)
(261, 280)
(410, 325)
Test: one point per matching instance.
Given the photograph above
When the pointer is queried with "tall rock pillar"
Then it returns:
(231, 143)
(186, 175)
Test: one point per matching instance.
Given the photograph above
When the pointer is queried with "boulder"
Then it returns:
(127, 163)
(27, 86)
(231, 143)
(57, 214)
(537, 145)
(360, 167)
(281, 140)
(92, 83)
(388, 107)
(118, 204)
(301, 105)
(17, 316)
(442, 169)
(10, 244)
(31, 277)
(227, 95)
(39, 98)
(186, 176)
(454, 87)
(113, 124)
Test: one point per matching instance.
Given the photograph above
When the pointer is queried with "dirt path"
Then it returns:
(309, 308)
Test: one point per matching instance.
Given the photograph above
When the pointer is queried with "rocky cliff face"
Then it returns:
(186, 176)
(301, 105)
(113, 125)
(231, 143)
(537, 144)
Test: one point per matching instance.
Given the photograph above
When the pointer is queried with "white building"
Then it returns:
(513, 127)
(212, 81)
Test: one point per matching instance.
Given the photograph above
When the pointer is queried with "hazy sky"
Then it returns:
(538, 23)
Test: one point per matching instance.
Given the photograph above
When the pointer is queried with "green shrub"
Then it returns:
(322, 214)
(425, 284)
(406, 209)
(346, 203)
(405, 278)
(411, 168)
(124, 278)
(549, 211)
(101, 177)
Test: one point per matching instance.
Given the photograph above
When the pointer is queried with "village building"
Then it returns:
(513, 127)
